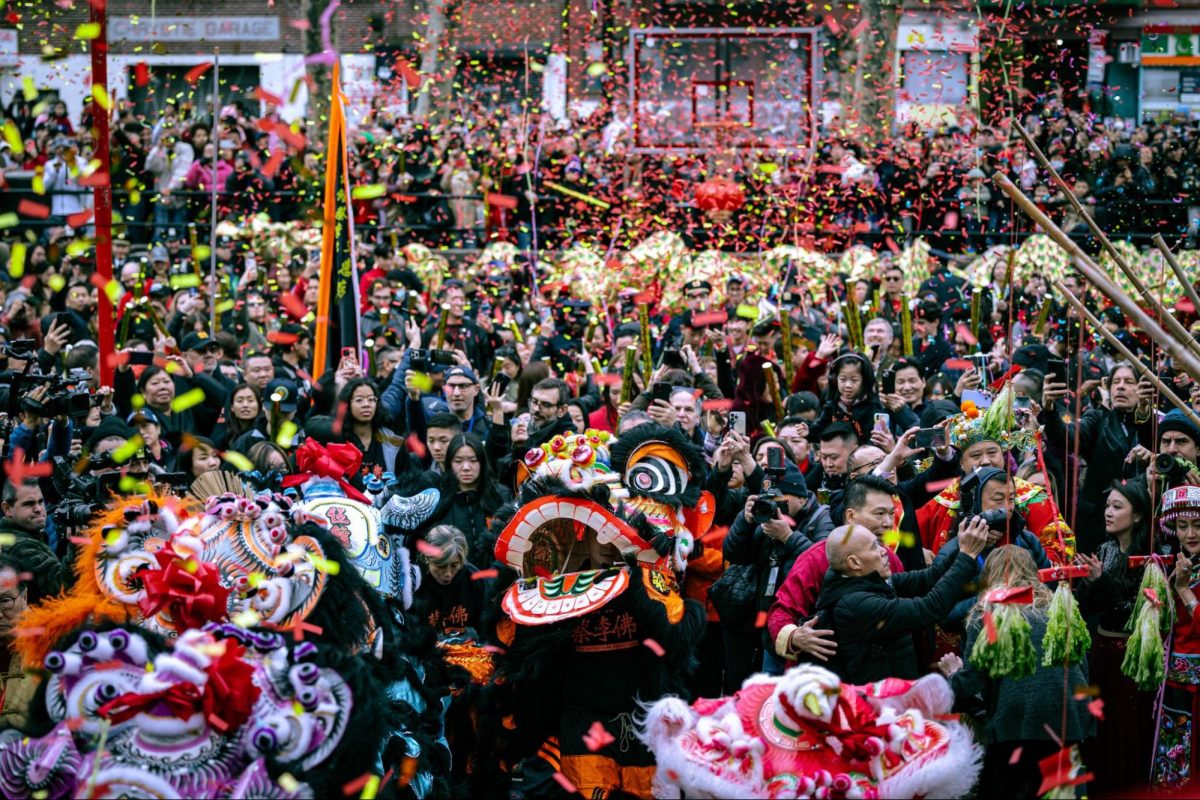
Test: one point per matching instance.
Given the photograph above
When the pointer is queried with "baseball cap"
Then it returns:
(289, 391)
(197, 340)
(461, 372)
(159, 253)
(143, 415)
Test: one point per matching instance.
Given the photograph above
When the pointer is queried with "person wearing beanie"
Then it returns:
(1179, 438)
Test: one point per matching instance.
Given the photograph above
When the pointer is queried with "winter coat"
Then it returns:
(747, 544)
(873, 618)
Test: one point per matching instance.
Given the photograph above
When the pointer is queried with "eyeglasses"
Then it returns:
(460, 387)
(891, 278)
(535, 403)
(8, 601)
(865, 468)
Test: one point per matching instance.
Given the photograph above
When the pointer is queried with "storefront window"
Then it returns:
(934, 78)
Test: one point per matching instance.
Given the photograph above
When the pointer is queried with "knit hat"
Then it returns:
(792, 481)
(1175, 420)
(108, 428)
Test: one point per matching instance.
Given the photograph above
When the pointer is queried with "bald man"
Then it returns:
(874, 613)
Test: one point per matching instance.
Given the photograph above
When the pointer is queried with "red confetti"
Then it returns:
(597, 737)
(355, 786)
(654, 647)
(1016, 755)
(415, 445)
(501, 200)
(1010, 595)
(265, 96)
(1096, 708)
(284, 131)
(761, 620)
(141, 73)
(716, 405)
(485, 574)
(272, 166)
(710, 318)
(193, 74)
(989, 627)
(562, 781)
(28, 208)
(410, 75)
(293, 305)
(428, 550)
(80, 219)
(279, 337)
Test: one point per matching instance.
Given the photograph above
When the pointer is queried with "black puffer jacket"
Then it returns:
(747, 544)
(873, 619)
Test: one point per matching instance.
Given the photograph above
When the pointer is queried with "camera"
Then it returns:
(425, 360)
(1171, 468)
(68, 396)
(996, 518)
(766, 506)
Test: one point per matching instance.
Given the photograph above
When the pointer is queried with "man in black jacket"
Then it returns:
(873, 613)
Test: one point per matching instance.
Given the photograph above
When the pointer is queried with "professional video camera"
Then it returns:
(87, 487)
(766, 505)
(68, 394)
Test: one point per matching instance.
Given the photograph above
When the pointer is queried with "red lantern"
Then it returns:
(719, 194)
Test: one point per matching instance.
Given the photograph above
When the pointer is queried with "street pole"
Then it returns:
(212, 232)
(102, 190)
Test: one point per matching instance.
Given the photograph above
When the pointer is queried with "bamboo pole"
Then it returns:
(1188, 288)
(1133, 360)
(1182, 353)
(1173, 325)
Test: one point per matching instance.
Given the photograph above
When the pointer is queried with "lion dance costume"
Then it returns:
(594, 622)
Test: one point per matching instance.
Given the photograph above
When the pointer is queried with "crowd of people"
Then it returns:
(873, 484)
(498, 174)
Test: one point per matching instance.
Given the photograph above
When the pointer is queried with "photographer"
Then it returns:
(1175, 464)
(774, 528)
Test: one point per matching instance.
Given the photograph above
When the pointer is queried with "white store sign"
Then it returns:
(144, 28)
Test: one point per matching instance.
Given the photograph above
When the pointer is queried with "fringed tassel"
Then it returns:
(1005, 649)
(1067, 639)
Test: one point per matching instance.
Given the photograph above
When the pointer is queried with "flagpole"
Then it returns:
(102, 191)
(212, 233)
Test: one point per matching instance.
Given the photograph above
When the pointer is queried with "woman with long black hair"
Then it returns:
(364, 425)
(470, 495)
(243, 414)
(1106, 599)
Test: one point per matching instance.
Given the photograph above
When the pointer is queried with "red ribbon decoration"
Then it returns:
(334, 461)
(191, 597)
(183, 700)
(1010, 595)
(227, 701)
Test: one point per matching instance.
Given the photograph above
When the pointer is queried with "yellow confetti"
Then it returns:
(287, 433)
(368, 192)
(56, 283)
(138, 401)
(324, 564)
(113, 290)
(747, 312)
(100, 95)
(225, 305)
(202, 253)
(16, 260)
(7, 538)
(87, 31)
(38, 184)
(186, 281)
(255, 579)
(127, 450)
(238, 461)
(371, 789)
(192, 397)
(9, 220)
(30, 89)
(422, 382)
(288, 783)
(596, 69)
(246, 619)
